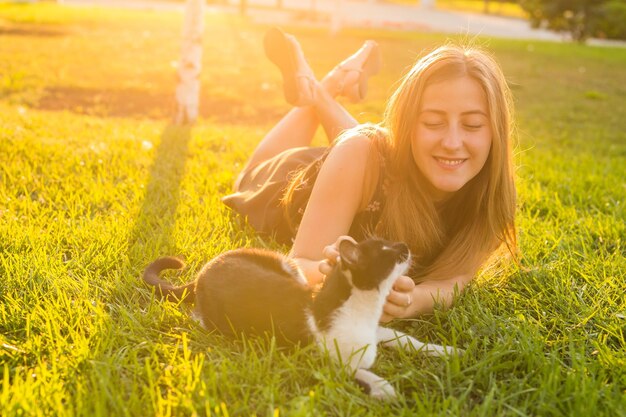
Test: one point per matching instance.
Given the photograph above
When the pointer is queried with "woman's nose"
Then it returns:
(452, 139)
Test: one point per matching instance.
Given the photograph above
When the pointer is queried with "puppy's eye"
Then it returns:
(388, 250)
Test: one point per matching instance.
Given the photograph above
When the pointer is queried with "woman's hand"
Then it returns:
(331, 255)
(400, 300)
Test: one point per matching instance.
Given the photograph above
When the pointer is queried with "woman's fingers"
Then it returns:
(344, 237)
(325, 267)
(402, 292)
(331, 253)
(385, 318)
(404, 284)
(400, 299)
(399, 303)
(394, 311)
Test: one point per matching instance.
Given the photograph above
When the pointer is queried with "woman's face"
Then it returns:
(453, 135)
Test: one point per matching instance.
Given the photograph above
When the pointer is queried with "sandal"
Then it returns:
(298, 79)
(371, 66)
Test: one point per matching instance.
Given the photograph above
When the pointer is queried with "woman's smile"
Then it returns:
(448, 163)
(453, 134)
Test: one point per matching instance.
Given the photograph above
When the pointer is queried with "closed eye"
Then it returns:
(433, 125)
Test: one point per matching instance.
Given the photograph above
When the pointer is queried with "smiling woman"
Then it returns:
(453, 136)
(436, 173)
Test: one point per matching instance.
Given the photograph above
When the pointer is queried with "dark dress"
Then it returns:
(262, 187)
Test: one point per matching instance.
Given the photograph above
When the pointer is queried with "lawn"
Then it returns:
(499, 8)
(95, 182)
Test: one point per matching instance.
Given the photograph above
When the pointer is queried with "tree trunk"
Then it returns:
(190, 64)
(427, 4)
(336, 19)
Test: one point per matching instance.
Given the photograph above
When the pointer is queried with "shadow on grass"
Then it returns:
(126, 102)
(143, 103)
(30, 31)
(155, 223)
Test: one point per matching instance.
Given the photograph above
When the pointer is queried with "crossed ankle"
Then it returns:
(331, 85)
(349, 78)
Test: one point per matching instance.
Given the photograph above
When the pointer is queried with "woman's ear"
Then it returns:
(349, 252)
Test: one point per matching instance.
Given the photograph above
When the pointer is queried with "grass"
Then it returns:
(495, 7)
(95, 182)
(498, 8)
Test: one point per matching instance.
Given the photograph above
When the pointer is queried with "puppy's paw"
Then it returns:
(383, 390)
(375, 386)
(439, 350)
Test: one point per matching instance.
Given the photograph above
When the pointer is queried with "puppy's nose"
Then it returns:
(402, 249)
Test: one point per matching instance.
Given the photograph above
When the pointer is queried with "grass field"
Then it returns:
(499, 8)
(95, 182)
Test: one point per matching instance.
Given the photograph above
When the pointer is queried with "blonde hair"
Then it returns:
(457, 236)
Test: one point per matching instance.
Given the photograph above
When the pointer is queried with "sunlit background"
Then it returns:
(97, 180)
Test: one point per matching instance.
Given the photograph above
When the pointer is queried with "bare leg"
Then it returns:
(297, 128)
(332, 115)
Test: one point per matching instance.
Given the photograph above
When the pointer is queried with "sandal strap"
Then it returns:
(342, 68)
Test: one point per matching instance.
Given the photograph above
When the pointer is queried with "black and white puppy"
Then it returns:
(255, 291)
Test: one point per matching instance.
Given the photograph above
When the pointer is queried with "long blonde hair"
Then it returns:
(457, 236)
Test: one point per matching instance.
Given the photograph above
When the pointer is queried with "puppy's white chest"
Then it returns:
(352, 334)
(352, 344)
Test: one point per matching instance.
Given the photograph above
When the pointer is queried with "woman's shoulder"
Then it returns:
(357, 156)
(359, 146)
(355, 142)
(365, 134)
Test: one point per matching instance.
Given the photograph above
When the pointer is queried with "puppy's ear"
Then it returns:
(349, 252)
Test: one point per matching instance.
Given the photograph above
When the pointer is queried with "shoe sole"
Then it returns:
(280, 51)
(370, 67)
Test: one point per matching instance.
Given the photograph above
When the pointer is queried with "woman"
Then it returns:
(436, 173)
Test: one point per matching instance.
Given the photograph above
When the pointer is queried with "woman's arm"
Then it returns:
(334, 201)
(406, 298)
(310, 268)
(409, 300)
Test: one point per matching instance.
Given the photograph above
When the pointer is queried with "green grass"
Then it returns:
(495, 7)
(95, 183)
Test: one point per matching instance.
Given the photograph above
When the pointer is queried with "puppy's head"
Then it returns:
(374, 263)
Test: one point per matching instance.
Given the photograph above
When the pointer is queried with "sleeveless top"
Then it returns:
(262, 187)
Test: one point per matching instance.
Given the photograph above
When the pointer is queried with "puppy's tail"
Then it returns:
(165, 289)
